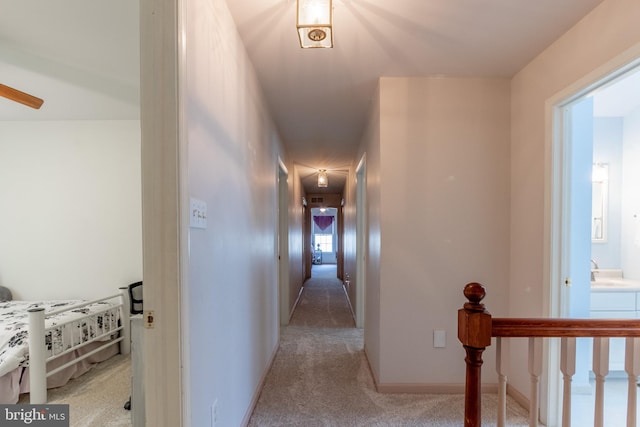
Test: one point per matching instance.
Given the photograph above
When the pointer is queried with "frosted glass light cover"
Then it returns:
(314, 23)
(323, 180)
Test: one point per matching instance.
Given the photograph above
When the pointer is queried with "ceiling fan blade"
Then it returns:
(21, 97)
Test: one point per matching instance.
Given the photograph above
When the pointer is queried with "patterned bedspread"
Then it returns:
(14, 323)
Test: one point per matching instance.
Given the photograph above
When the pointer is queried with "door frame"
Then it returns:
(164, 190)
(361, 240)
(283, 242)
(556, 245)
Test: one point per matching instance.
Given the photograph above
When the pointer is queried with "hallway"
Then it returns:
(320, 376)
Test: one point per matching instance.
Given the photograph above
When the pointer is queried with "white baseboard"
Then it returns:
(520, 398)
(430, 388)
(258, 391)
(295, 304)
(353, 313)
(422, 388)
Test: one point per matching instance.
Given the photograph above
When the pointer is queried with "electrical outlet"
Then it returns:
(439, 338)
(197, 213)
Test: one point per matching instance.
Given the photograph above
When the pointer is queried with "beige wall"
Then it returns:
(369, 153)
(349, 235)
(578, 58)
(481, 208)
(437, 212)
(296, 238)
(233, 156)
(71, 220)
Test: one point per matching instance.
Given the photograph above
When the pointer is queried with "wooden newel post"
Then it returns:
(474, 332)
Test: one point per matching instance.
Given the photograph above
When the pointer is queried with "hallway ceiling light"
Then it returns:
(314, 23)
(323, 180)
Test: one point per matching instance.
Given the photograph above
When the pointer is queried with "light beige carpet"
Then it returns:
(320, 376)
(96, 399)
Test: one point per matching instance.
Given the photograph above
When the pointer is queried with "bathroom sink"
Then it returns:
(612, 279)
(614, 282)
(602, 273)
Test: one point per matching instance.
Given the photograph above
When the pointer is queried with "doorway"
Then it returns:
(283, 243)
(595, 152)
(361, 240)
(324, 241)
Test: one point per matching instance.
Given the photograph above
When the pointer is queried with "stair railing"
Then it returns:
(476, 327)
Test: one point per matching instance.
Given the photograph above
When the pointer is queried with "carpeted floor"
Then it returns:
(96, 399)
(320, 376)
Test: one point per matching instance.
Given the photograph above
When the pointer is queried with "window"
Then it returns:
(325, 241)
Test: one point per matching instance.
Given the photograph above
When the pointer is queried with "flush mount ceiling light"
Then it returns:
(323, 181)
(314, 22)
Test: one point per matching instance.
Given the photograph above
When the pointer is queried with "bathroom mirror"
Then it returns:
(599, 202)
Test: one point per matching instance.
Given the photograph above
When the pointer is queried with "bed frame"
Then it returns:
(38, 347)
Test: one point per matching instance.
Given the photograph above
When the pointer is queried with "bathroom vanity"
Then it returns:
(615, 297)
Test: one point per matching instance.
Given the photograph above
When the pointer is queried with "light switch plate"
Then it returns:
(197, 213)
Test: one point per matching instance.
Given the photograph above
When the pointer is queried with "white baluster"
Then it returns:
(632, 367)
(535, 369)
(600, 369)
(568, 369)
(502, 367)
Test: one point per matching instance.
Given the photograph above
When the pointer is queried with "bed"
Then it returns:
(43, 344)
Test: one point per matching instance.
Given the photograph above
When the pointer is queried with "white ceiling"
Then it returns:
(618, 98)
(320, 97)
(81, 57)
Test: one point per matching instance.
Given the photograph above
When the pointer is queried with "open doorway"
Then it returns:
(596, 216)
(283, 242)
(324, 242)
(361, 240)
